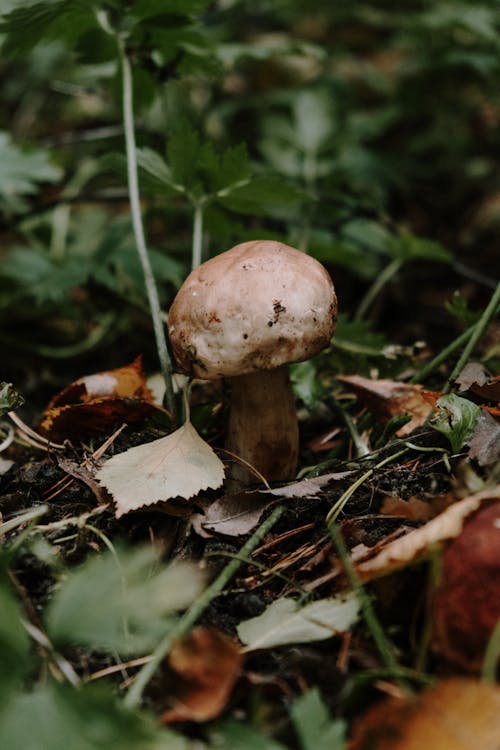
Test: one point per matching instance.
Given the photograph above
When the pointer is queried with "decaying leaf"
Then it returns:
(466, 602)
(96, 404)
(285, 621)
(178, 465)
(206, 666)
(484, 445)
(389, 398)
(239, 513)
(420, 543)
(475, 378)
(457, 714)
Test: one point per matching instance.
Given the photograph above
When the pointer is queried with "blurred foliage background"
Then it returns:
(364, 133)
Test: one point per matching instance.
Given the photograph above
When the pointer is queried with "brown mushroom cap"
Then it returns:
(257, 306)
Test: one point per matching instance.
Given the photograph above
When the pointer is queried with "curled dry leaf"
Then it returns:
(475, 378)
(456, 714)
(389, 398)
(239, 513)
(207, 665)
(421, 542)
(466, 602)
(178, 465)
(96, 404)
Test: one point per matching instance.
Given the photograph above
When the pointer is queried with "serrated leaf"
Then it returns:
(121, 601)
(178, 465)
(236, 734)
(157, 168)
(456, 420)
(143, 9)
(21, 171)
(53, 717)
(263, 195)
(233, 167)
(314, 726)
(284, 621)
(26, 26)
(182, 154)
(14, 644)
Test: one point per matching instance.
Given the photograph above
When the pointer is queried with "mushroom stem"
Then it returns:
(263, 427)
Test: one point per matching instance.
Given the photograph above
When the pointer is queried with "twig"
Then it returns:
(186, 622)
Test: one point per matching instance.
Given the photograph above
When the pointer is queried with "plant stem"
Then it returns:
(382, 279)
(427, 369)
(479, 329)
(186, 622)
(135, 206)
(197, 249)
(383, 645)
(336, 509)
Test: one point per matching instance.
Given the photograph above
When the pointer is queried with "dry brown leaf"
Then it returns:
(466, 602)
(178, 465)
(457, 714)
(239, 513)
(389, 398)
(207, 665)
(96, 404)
(475, 378)
(419, 543)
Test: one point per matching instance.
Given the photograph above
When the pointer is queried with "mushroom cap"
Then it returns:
(257, 306)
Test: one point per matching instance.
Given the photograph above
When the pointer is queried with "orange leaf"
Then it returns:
(389, 398)
(457, 714)
(96, 404)
(207, 665)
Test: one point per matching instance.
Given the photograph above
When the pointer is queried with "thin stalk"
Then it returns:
(336, 509)
(135, 207)
(427, 369)
(197, 248)
(382, 279)
(186, 622)
(480, 328)
(491, 656)
(384, 647)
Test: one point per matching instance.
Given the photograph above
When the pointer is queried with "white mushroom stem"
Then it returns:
(263, 428)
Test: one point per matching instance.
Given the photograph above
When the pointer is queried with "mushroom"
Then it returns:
(244, 315)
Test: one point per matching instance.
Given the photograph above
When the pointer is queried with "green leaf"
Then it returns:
(265, 195)
(313, 120)
(14, 645)
(232, 168)
(21, 171)
(285, 621)
(314, 726)
(10, 399)
(235, 734)
(28, 25)
(456, 420)
(122, 601)
(40, 277)
(54, 717)
(407, 247)
(143, 9)
(156, 167)
(183, 150)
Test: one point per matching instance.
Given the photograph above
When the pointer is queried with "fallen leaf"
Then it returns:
(285, 621)
(178, 465)
(96, 404)
(237, 514)
(475, 378)
(206, 665)
(484, 444)
(456, 714)
(466, 602)
(389, 398)
(420, 543)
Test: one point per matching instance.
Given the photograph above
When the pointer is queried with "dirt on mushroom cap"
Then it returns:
(255, 307)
